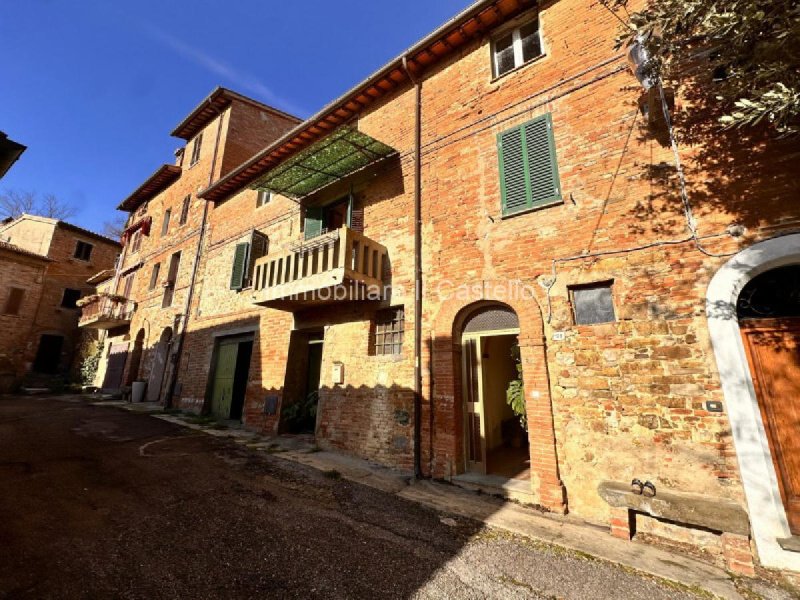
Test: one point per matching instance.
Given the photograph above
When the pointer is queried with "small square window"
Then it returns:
(264, 196)
(70, 298)
(515, 48)
(388, 332)
(593, 304)
(83, 250)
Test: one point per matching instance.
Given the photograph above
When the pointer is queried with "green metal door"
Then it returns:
(224, 373)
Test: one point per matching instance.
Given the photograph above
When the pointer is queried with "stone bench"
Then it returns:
(723, 517)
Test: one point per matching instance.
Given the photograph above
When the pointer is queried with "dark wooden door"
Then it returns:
(773, 351)
(117, 356)
(48, 355)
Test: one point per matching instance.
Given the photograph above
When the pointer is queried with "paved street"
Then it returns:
(98, 502)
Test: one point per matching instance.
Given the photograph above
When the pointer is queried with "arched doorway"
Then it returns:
(768, 309)
(734, 306)
(496, 442)
(159, 365)
(135, 358)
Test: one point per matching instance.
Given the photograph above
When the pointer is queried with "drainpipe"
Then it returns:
(195, 267)
(417, 272)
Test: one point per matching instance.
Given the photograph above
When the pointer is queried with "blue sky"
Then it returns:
(93, 87)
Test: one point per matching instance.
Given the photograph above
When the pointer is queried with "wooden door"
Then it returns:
(471, 386)
(773, 351)
(224, 376)
(115, 367)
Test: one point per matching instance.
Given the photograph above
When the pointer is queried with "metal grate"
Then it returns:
(492, 318)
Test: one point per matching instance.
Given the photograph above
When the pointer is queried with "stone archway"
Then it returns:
(447, 423)
(765, 506)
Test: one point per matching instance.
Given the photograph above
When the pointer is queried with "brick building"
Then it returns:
(502, 195)
(43, 268)
(141, 307)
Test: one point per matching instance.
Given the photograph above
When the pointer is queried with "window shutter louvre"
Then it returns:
(313, 222)
(357, 220)
(513, 187)
(542, 168)
(239, 265)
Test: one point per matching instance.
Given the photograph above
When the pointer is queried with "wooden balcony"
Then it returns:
(105, 311)
(337, 266)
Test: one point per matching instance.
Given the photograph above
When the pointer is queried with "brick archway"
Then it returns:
(446, 444)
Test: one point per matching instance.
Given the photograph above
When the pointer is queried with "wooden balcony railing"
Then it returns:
(105, 311)
(341, 265)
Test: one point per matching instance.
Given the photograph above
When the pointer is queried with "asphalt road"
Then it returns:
(96, 502)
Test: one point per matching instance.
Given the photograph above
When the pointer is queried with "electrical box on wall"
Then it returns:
(337, 376)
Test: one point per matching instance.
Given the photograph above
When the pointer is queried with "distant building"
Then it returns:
(44, 267)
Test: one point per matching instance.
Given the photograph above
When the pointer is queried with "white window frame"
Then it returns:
(266, 195)
(516, 44)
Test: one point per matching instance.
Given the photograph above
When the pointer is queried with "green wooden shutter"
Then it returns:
(528, 168)
(313, 222)
(513, 180)
(540, 148)
(239, 265)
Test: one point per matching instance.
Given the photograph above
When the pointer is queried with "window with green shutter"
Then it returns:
(313, 222)
(240, 262)
(528, 167)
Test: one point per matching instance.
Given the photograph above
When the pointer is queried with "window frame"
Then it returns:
(165, 222)
(155, 273)
(263, 197)
(80, 244)
(74, 305)
(516, 43)
(184, 216)
(607, 283)
(388, 321)
(196, 146)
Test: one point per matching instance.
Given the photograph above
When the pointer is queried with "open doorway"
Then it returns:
(48, 355)
(301, 386)
(230, 372)
(496, 442)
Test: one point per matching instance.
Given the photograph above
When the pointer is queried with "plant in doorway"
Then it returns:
(515, 394)
(301, 416)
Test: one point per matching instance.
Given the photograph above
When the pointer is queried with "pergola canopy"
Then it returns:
(340, 154)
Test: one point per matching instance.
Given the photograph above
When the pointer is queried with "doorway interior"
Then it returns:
(496, 442)
(48, 355)
(230, 373)
(299, 408)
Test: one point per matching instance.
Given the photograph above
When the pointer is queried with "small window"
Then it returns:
(172, 277)
(70, 298)
(83, 250)
(185, 210)
(198, 141)
(264, 196)
(516, 48)
(136, 241)
(127, 285)
(165, 224)
(593, 304)
(154, 276)
(14, 301)
(388, 331)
